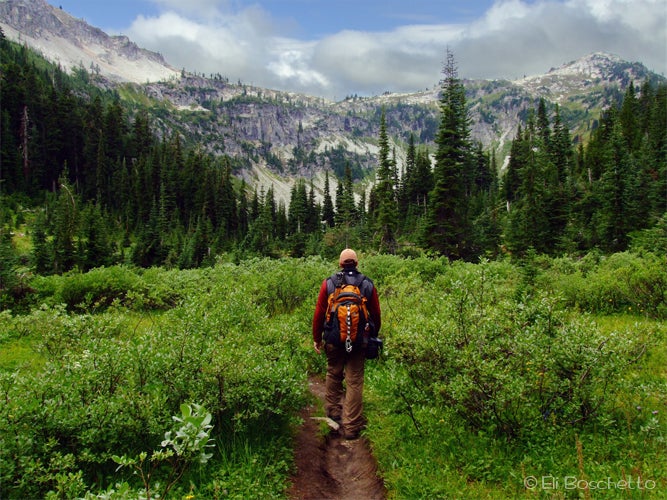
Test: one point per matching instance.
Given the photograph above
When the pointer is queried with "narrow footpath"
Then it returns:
(331, 467)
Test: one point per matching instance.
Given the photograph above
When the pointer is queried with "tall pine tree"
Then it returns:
(447, 227)
(386, 215)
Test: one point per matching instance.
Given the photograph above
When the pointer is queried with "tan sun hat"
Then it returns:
(348, 256)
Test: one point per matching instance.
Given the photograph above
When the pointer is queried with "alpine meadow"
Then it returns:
(156, 305)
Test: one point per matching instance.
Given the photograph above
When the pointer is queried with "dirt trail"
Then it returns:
(331, 467)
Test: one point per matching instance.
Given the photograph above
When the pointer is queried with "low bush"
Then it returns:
(620, 283)
(490, 379)
(110, 381)
(101, 288)
(492, 373)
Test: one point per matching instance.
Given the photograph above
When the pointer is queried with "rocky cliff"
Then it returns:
(278, 136)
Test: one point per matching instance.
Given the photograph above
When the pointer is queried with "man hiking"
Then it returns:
(347, 313)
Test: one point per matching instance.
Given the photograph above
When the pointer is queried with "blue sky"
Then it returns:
(336, 48)
(308, 18)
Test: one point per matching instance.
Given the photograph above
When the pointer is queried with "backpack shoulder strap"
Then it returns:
(365, 285)
(334, 281)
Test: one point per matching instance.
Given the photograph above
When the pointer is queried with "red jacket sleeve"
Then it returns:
(373, 306)
(320, 313)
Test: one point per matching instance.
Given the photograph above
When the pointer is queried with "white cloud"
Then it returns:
(512, 39)
(550, 33)
(199, 8)
(232, 45)
(291, 63)
(405, 59)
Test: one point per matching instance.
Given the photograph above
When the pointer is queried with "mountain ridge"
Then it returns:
(71, 42)
(283, 135)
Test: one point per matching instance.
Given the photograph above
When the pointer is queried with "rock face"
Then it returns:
(278, 136)
(73, 43)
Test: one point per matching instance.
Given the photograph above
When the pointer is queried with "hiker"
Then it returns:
(345, 357)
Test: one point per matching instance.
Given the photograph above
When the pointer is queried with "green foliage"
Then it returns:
(103, 287)
(191, 438)
(109, 381)
(124, 193)
(652, 239)
(621, 283)
(490, 379)
(287, 284)
(491, 372)
(189, 444)
(512, 366)
(447, 224)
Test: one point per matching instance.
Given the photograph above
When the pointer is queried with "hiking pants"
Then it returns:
(345, 404)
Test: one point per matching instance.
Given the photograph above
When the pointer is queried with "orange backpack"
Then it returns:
(347, 322)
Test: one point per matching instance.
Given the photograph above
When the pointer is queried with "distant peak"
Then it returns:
(587, 64)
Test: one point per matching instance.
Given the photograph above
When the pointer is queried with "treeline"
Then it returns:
(104, 188)
(599, 196)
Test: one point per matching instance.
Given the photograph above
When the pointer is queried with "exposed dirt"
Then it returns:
(331, 467)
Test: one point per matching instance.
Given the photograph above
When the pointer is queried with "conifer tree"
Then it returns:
(386, 214)
(560, 153)
(314, 213)
(65, 221)
(280, 222)
(345, 206)
(511, 180)
(629, 118)
(406, 193)
(423, 180)
(447, 228)
(227, 211)
(656, 145)
(148, 250)
(42, 251)
(96, 244)
(616, 212)
(243, 210)
(328, 214)
(8, 277)
(298, 208)
(542, 125)
(485, 210)
(528, 218)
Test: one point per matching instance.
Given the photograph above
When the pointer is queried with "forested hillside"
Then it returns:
(86, 182)
(155, 310)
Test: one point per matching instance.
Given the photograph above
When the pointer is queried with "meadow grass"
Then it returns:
(102, 360)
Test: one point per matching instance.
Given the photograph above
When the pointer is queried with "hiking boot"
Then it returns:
(338, 419)
(351, 436)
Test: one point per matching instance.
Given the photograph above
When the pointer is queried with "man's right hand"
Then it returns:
(317, 346)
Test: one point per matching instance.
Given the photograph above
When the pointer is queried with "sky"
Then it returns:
(340, 48)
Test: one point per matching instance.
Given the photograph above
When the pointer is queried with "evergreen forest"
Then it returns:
(93, 185)
(155, 310)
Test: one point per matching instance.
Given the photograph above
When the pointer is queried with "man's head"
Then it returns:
(348, 258)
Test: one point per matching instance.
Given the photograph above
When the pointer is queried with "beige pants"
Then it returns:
(345, 402)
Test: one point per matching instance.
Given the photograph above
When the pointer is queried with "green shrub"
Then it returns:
(109, 382)
(283, 285)
(508, 366)
(489, 374)
(623, 282)
(489, 380)
(100, 288)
